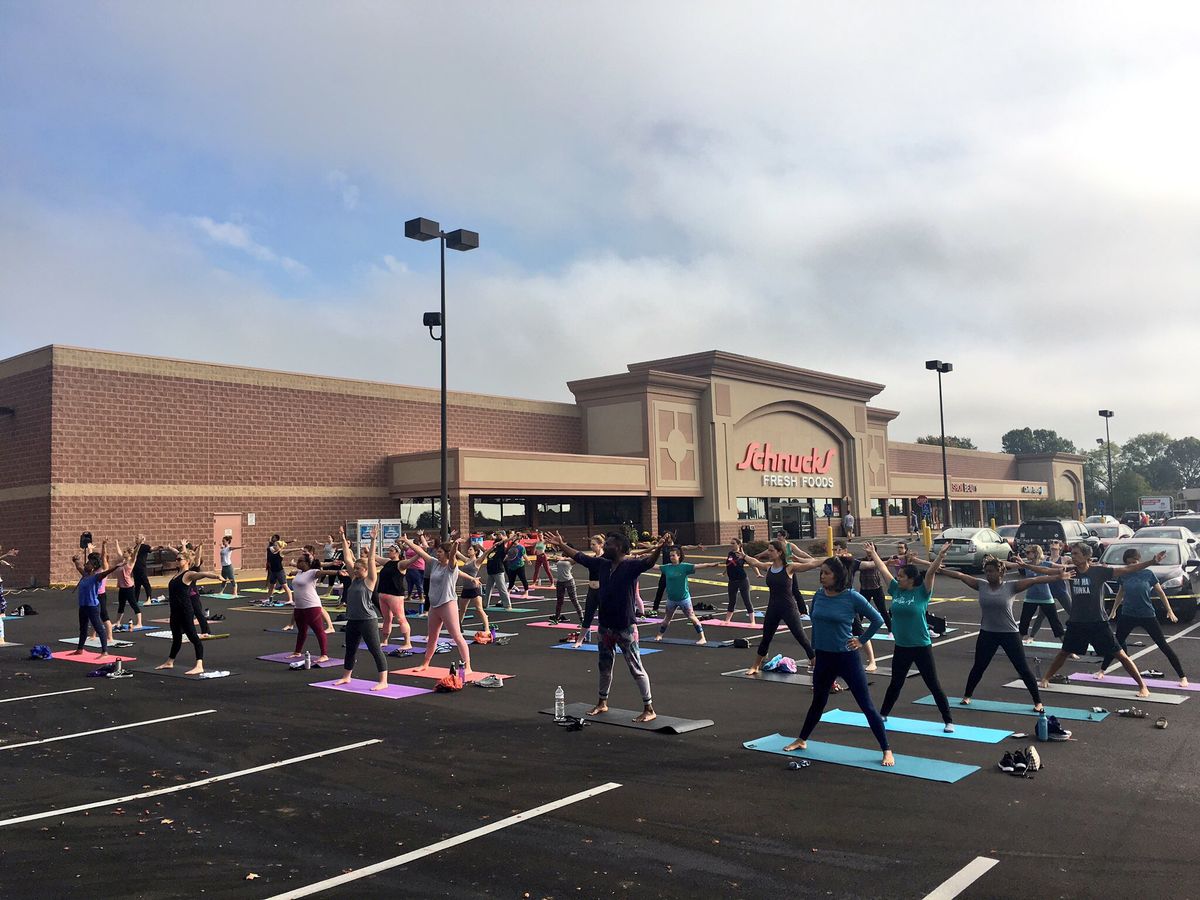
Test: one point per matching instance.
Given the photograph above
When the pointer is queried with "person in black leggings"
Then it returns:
(1136, 610)
(182, 613)
(141, 553)
(362, 621)
(739, 584)
(591, 603)
(662, 581)
(781, 604)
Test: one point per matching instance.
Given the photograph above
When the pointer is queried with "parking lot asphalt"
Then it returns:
(694, 814)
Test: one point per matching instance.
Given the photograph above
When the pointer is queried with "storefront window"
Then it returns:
(419, 513)
(1003, 511)
(752, 507)
(966, 513)
(877, 508)
(616, 511)
(555, 511)
(897, 508)
(499, 512)
(675, 509)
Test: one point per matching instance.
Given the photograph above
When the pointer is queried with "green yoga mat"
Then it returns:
(1020, 709)
(254, 590)
(865, 758)
(919, 726)
(222, 596)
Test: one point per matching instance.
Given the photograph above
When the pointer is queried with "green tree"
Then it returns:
(1146, 454)
(1035, 440)
(1048, 509)
(1130, 485)
(952, 440)
(1183, 456)
(1095, 473)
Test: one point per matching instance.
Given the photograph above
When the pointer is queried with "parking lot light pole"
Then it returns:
(460, 239)
(1108, 414)
(936, 365)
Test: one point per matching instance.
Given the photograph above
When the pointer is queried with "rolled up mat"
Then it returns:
(865, 758)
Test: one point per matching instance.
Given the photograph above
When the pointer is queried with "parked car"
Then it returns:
(970, 546)
(1009, 533)
(1101, 520)
(1043, 531)
(1110, 533)
(1190, 522)
(1179, 574)
(1172, 532)
(1135, 519)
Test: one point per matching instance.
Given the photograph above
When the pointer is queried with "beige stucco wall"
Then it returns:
(616, 429)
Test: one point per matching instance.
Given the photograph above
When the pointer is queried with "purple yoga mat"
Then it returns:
(361, 686)
(1163, 683)
(287, 658)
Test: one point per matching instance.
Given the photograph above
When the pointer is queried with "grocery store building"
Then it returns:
(705, 444)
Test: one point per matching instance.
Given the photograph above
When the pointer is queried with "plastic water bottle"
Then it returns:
(1043, 727)
(493, 632)
(560, 704)
(307, 659)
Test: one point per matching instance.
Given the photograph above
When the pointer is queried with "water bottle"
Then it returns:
(560, 705)
(1043, 727)
(307, 659)
(492, 630)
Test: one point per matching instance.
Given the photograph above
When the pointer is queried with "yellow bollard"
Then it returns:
(992, 520)
(927, 537)
(829, 541)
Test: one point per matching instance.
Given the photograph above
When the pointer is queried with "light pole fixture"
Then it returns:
(1107, 414)
(459, 239)
(936, 365)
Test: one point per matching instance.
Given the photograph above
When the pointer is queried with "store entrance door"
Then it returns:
(794, 518)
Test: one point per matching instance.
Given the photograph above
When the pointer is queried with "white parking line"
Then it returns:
(79, 734)
(404, 859)
(961, 637)
(1153, 647)
(962, 879)
(52, 694)
(115, 801)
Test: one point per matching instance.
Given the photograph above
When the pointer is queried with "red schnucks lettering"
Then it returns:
(761, 458)
(822, 467)
(748, 461)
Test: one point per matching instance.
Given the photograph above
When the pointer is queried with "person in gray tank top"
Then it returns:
(444, 575)
(362, 620)
(997, 626)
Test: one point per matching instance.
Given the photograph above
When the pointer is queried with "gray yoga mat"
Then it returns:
(1086, 690)
(625, 717)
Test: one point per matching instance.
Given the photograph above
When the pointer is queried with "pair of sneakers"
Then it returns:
(1021, 762)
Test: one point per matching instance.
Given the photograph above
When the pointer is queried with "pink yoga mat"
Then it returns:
(91, 657)
(437, 672)
(1126, 680)
(331, 663)
(362, 686)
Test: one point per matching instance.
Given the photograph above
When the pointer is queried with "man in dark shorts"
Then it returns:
(1087, 622)
(276, 577)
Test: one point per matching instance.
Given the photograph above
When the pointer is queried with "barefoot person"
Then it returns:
(276, 577)
(443, 606)
(617, 574)
(228, 573)
(591, 601)
(494, 572)
(781, 603)
(676, 573)
(127, 590)
(362, 622)
(180, 600)
(307, 613)
(564, 587)
(1136, 610)
(739, 584)
(834, 608)
(997, 626)
(910, 592)
(471, 593)
(1087, 623)
(392, 587)
(88, 593)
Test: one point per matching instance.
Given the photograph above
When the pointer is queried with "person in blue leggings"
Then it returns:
(833, 610)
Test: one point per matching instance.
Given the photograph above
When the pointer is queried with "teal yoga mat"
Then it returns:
(865, 758)
(1020, 709)
(222, 596)
(919, 726)
(888, 636)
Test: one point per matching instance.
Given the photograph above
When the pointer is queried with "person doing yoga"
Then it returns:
(676, 573)
(471, 592)
(1135, 606)
(911, 590)
(564, 587)
(739, 583)
(617, 574)
(88, 593)
(997, 627)
(781, 599)
(308, 611)
(1087, 623)
(392, 587)
(127, 590)
(443, 604)
(834, 608)
(181, 611)
(362, 621)
(592, 599)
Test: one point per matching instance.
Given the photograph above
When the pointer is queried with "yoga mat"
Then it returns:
(137, 628)
(1049, 645)
(1089, 678)
(223, 596)
(437, 672)
(888, 636)
(254, 590)
(166, 635)
(94, 643)
(362, 686)
(719, 623)
(1019, 709)
(863, 758)
(592, 648)
(800, 678)
(288, 659)
(919, 726)
(180, 671)
(93, 659)
(501, 609)
(553, 625)
(688, 642)
(625, 717)
(1091, 690)
(5, 644)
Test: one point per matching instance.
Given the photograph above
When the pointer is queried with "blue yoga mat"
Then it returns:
(1020, 709)
(919, 726)
(888, 636)
(865, 758)
(592, 648)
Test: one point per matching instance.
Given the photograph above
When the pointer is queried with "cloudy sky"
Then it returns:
(1013, 188)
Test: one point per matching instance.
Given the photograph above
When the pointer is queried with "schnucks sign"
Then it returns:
(761, 458)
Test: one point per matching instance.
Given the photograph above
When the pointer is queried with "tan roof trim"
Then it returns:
(80, 489)
(26, 362)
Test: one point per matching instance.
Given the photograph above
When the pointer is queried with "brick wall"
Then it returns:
(927, 460)
(25, 469)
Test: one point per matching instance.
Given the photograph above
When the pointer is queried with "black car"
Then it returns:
(1191, 522)
(1043, 531)
(1133, 519)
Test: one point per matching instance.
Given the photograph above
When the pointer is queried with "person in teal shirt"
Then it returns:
(675, 573)
(1135, 606)
(910, 591)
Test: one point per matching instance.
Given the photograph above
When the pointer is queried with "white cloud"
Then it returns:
(231, 234)
(340, 182)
